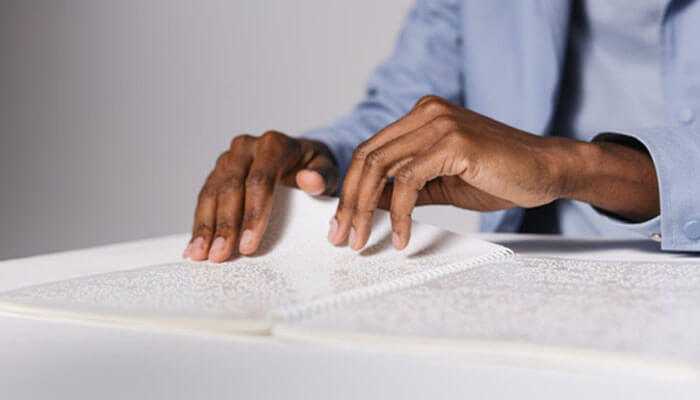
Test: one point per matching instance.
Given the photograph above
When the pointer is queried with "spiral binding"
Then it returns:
(297, 312)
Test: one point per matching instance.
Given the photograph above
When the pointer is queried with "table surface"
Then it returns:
(53, 359)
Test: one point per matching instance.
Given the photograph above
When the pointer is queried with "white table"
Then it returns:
(49, 359)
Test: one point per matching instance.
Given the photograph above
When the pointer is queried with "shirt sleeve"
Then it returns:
(426, 60)
(675, 152)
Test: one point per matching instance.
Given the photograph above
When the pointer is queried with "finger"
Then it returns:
(381, 164)
(229, 210)
(319, 176)
(409, 182)
(205, 211)
(221, 186)
(275, 154)
(433, 193)
(204, 220)
(427, 109)
(230, 197)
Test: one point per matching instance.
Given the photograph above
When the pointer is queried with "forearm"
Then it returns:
(615, 178)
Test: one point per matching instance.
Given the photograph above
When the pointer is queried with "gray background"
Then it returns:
(112, 112)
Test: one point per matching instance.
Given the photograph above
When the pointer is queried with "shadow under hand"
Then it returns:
(284, 203)
(381, 245)
(433, 246)
(279, 220)
(437, 243)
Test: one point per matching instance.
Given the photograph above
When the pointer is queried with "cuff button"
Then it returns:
(686, 116)
(691, 229)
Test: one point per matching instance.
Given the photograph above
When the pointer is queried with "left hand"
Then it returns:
(440, 153)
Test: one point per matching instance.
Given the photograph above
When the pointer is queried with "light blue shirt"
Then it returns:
(630, 66)
(606, 38)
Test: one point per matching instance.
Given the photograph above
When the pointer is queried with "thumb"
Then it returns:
(319, 176)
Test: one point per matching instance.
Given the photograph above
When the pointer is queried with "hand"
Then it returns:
(237, 195)
(440, 153)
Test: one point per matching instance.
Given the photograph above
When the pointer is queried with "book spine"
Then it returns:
(297, 312)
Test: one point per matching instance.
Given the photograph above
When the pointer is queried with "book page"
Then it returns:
(536, 312)
(296, 265)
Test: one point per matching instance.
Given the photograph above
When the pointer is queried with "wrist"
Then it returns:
(614, 178)
(575, 163)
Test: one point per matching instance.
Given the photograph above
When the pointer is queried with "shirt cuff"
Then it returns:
(674, 152)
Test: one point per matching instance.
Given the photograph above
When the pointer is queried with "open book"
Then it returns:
(443, 291)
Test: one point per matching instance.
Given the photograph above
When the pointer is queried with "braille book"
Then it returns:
(445, 292)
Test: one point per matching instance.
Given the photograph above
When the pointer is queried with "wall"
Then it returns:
(112, 112)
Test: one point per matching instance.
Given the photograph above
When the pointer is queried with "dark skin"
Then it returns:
(438, 153)
(235, 203)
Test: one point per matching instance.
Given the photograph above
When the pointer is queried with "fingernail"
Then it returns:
(197, 244)
(188, 250)
(197, 250)
(246, 241)
(217, 248)
(316, 192)
(396, 240)
(352, 238)
(332, 229)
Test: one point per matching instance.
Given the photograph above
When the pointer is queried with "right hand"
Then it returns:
(235, 203)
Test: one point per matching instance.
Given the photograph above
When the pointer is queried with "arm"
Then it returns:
(426, 60)
(618, 179)
(675, 152)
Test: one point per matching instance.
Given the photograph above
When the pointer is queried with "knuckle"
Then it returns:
(224, 229)
(445, 123)
(273, 142)
(407, 177)
(232, 184)
(346, 205)
(471, 170)
(343, 203)
(376, 158)
(270, 137)
(235, 182)
(208, 191)
(251, 215)
(433, 105)
(456, 140)
(361, 152)
(223, 160)
(241, 141)
(426, 98)
(259, 178)
(203, 230)
(398, 217)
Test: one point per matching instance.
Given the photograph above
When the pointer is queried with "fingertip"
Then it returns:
(311, 182)
(332, 230)
(354, 240)
(217, 252)
(247, 244)
(188, 250)
(199, 249)
(398, 242)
